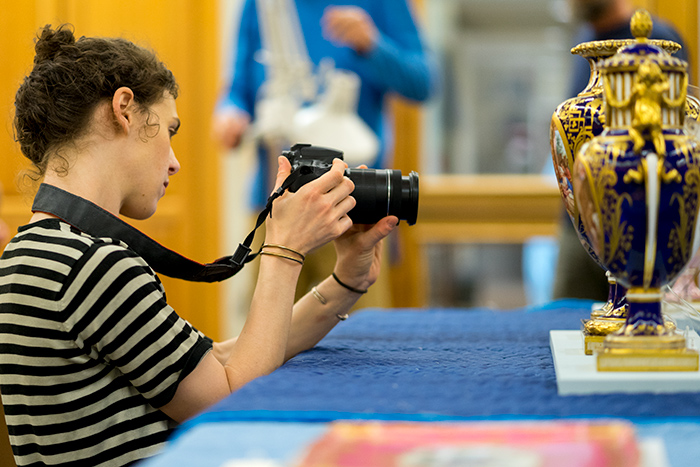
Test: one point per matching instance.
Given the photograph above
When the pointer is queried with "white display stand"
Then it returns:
(577, 375)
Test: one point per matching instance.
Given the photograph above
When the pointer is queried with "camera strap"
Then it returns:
(93, 220)
(242, 254)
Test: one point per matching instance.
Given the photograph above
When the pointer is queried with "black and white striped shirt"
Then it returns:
(89, 349)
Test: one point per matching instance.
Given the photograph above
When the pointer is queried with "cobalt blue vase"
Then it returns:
(637, 184)
(574, 123)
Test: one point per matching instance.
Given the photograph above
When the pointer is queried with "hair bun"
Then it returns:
(50, 42)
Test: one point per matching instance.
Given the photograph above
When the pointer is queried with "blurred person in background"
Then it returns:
(377, 40)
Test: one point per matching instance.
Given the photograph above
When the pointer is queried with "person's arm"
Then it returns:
(359, 253)
(241, 90)
(388, 45)
(235, 107)
(316, 313)
(303, 221)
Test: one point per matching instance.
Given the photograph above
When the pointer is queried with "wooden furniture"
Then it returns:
(683, 14)
(184, 34)
(486, 208)
(471, 209)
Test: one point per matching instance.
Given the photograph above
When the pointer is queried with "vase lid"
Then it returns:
(643, 49)
(609, 47)
(644, 86)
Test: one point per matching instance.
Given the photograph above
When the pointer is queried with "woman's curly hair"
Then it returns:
(70, 78)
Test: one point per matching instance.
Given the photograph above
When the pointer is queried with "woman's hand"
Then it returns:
(359, 252)
(316, 214)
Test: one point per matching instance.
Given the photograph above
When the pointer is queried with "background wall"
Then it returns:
(683, 14)
(193, 37)
(505, 67)
(203, 215)
(185, 35)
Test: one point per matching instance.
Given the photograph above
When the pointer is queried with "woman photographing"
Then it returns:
(95, 367)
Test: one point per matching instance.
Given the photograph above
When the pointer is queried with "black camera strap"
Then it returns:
(93, 220)
(242, 254)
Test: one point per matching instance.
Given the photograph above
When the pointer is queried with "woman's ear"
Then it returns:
(123, 108)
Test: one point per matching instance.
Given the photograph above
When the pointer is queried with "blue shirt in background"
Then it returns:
(399, 63)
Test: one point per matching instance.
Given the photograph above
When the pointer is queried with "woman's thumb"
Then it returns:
(283, 170)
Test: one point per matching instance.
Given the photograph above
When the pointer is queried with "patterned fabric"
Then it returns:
(436, 365)
(89, 349)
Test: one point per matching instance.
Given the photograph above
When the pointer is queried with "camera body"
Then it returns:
(378, 192)
(310, 162)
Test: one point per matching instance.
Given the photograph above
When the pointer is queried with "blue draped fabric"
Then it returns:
(436, 365)
(421, 365)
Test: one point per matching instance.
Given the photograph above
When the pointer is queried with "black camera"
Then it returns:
(378, 192)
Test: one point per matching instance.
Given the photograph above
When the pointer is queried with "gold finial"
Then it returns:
(641, 25)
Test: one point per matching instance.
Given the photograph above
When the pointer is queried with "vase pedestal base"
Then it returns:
(666, 352)
(592, 344)
(577, 375)
(595, 330)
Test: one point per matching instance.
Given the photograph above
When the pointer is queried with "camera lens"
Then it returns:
(383, 192)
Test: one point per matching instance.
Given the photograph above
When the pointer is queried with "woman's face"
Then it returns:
(152, 160)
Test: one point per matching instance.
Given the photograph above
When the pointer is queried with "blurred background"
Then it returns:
(481, 146)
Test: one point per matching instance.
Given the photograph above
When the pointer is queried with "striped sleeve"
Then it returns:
(89, 349)
(116, 311)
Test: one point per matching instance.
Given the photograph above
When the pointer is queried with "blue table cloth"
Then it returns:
(442, 365)
(436, 365)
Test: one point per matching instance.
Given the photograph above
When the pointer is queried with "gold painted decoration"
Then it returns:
(637, 190)
(574, 123)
